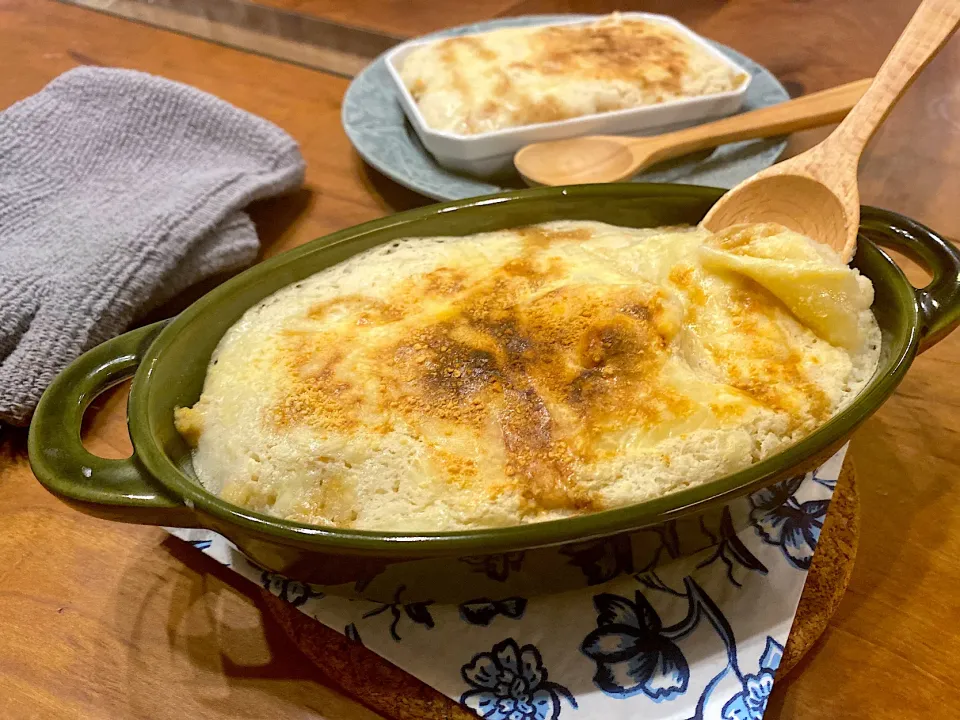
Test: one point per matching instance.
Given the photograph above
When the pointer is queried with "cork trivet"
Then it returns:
(393, 693)
(830, 570)
(362, 673)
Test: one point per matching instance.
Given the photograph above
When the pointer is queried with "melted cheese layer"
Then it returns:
(523, 76)
(523, 375)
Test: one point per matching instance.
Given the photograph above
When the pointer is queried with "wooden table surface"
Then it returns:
(103, 620)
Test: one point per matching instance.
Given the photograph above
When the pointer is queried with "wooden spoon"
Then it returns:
(608, 158)
(815, 193)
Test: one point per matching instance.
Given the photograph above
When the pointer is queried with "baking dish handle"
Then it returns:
(939, 302)
(112, 489)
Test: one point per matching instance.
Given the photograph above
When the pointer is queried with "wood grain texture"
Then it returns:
(361, 672)
(148, 631)
(412, 17)
(274, 32)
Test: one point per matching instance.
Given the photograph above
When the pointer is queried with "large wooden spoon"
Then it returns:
(815, 193)
(608, 158)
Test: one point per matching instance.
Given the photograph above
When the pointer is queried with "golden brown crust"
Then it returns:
(636, 52)
(631, 50)
(549, 373)
(517, 77)
(762, 363)
(759, 363)
(532, 373)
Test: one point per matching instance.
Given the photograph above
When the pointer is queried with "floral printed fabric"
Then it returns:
(694, 638)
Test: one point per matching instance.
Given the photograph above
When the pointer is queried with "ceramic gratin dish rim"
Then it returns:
(557, 129)
(156, 469)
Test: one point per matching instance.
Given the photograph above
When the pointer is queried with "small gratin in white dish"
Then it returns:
(474, 100)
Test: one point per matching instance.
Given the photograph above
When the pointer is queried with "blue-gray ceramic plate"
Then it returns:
(380, 132)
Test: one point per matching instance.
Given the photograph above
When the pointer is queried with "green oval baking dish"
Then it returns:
(168, 362)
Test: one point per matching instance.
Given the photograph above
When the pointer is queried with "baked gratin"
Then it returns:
(523, 375)
(523, 76)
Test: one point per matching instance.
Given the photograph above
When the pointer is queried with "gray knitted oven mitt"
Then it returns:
(117, 190)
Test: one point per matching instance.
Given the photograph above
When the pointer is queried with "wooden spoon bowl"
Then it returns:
(609, 158)
(816, 193)
(591, 159)
(800, 203)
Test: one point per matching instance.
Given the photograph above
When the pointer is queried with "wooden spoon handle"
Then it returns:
(813, 110)
(929, 29)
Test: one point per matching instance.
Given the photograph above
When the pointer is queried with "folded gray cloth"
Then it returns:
(117, 190)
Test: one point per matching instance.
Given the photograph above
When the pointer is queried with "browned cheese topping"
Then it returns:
(547, 374)
(528, 374)
(523, 76)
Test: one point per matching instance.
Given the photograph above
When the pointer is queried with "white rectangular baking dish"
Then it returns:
(491, 153)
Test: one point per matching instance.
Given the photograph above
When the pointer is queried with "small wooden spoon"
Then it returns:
(815, 193)
(608, 158)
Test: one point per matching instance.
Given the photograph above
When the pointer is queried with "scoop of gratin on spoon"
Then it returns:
(815, 193)
(609, 158)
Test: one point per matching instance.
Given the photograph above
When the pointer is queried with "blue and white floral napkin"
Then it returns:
(696, 638)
